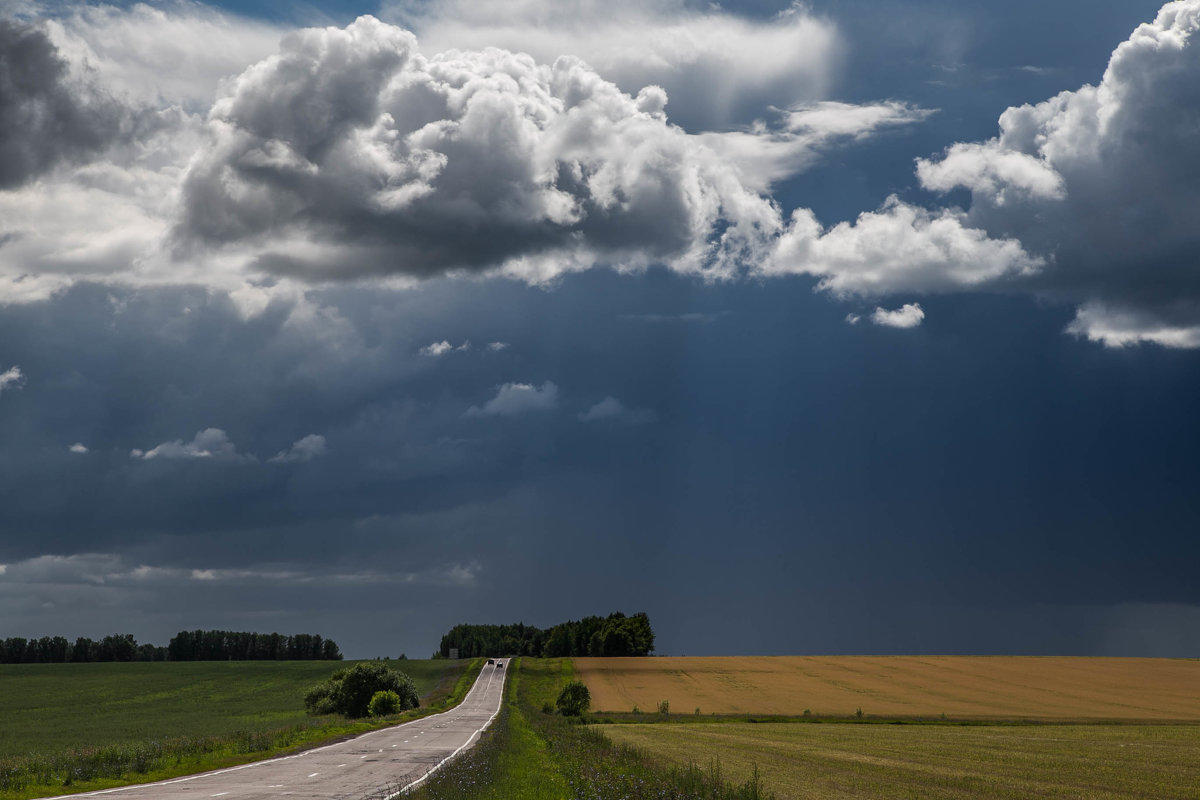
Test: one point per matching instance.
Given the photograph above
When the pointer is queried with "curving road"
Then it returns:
(380, 764)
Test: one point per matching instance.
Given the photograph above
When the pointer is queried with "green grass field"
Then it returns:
(846, 760)
(529, 754)
(109, 724)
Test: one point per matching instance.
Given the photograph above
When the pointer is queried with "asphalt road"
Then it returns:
(375, 765)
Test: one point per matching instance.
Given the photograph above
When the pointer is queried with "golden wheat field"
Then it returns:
(980, 687)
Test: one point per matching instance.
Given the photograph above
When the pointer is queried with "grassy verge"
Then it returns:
(1099, 762)
(147, 722)
(531, 755)
(510, 761)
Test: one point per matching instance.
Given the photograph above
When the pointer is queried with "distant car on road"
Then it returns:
(491, 661)
(499, 665)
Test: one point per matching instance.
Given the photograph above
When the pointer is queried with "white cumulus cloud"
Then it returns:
(719, 68)
(900, 247)
(351, 154)
(910, 315)
(79, 448)
(613, 410)
(1122, 327)
(1103, 184)
(209, 443)
(11, 378)
(441, 348)
(302, 450)
(518, 398)
(253, 160)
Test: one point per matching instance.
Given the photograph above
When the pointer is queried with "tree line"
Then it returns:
(239, 646)
(185, 646)
(614, 635)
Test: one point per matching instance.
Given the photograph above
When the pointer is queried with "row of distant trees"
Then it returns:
(239, 646)
(59, 649)
(185, 646)
(614, 635)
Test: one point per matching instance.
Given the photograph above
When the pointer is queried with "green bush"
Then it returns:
(350, 691)
(384, 702)
(574, 699)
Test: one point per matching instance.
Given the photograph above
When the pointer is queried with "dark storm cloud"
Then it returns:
(310, 411)
(746, 474)
(351, 154)
(47, 117)
(637, 440)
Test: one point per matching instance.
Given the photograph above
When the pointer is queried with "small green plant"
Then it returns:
(808, 712)
(384, 703)
(664, 707)
(636, 710)
(547, 707)
(697, 711)
(574, 699)
(858, 712)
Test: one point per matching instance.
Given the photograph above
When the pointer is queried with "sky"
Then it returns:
(819, 328)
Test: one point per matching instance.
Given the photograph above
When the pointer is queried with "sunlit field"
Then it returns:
(960, 687)
(886, 762)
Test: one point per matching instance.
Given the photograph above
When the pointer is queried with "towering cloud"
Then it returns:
(1105, 181)
(718, 68)
(1092, 197)
(350, 153)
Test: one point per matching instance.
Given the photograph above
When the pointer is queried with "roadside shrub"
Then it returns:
(349, 691)
(383, 703)
(664, 707)
(319, 699)
(574, 699)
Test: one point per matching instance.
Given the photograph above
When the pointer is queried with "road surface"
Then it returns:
(375, 765)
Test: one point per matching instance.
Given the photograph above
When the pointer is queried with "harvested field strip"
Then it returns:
(831, 761)
(979, 687)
